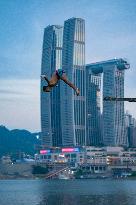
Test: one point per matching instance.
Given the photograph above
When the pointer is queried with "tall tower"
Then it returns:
(113, 112)
(73, 108)
(93, 106)
(50, 102)
(130, 124)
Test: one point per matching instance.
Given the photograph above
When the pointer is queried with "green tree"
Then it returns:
(39, 169)
(78, 173)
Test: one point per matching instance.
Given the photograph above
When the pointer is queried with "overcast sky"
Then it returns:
(110, 33)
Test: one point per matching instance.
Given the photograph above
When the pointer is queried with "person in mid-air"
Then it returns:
(56, 76)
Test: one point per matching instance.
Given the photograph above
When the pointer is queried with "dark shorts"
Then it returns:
(59, 73)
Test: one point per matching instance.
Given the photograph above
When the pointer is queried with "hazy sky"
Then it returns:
(110, 32)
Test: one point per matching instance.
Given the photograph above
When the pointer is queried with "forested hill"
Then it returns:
(16, 141)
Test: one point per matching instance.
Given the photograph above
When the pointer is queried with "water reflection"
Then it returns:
(76, 192)
(91, 193)
(85, 200)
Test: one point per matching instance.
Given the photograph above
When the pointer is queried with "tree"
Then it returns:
(36, 169)
(78, 173)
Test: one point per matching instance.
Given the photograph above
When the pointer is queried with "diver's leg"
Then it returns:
(65, 79)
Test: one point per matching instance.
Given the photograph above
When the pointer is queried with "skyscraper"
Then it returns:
(73, 108)
(113, 112)
(50, 102)
(93, 107)
(130, 124)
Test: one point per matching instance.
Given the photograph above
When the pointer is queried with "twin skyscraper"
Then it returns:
(70, 120)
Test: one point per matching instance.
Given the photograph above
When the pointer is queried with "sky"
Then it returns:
(110, 33)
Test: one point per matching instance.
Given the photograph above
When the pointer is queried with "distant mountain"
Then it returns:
(14, 142)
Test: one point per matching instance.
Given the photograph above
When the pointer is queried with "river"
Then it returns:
(68, 192)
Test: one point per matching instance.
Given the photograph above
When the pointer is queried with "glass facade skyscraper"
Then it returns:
(113, 112)
(130, 124)
(70, 120)
(73, 108)
(93, 107)
(50, 102)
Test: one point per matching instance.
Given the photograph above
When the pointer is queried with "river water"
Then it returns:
(68, 192)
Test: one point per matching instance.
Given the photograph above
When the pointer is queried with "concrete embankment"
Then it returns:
(16, 170)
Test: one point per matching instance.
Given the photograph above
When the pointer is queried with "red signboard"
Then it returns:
(70, 149)
(44, 151)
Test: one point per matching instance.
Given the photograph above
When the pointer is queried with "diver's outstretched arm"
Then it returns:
(51, 83)
(45, 78)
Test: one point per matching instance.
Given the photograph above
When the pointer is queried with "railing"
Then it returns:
(109, 98)
(56, 173)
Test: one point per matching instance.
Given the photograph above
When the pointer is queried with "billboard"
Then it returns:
(70, 149)
(44, 151)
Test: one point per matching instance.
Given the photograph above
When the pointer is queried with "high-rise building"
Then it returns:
(113, 112)
(73, 108)
(50, 102)
(130, 124)
(93, 107)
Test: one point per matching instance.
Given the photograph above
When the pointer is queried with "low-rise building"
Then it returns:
(71, 156)
(90, 159)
